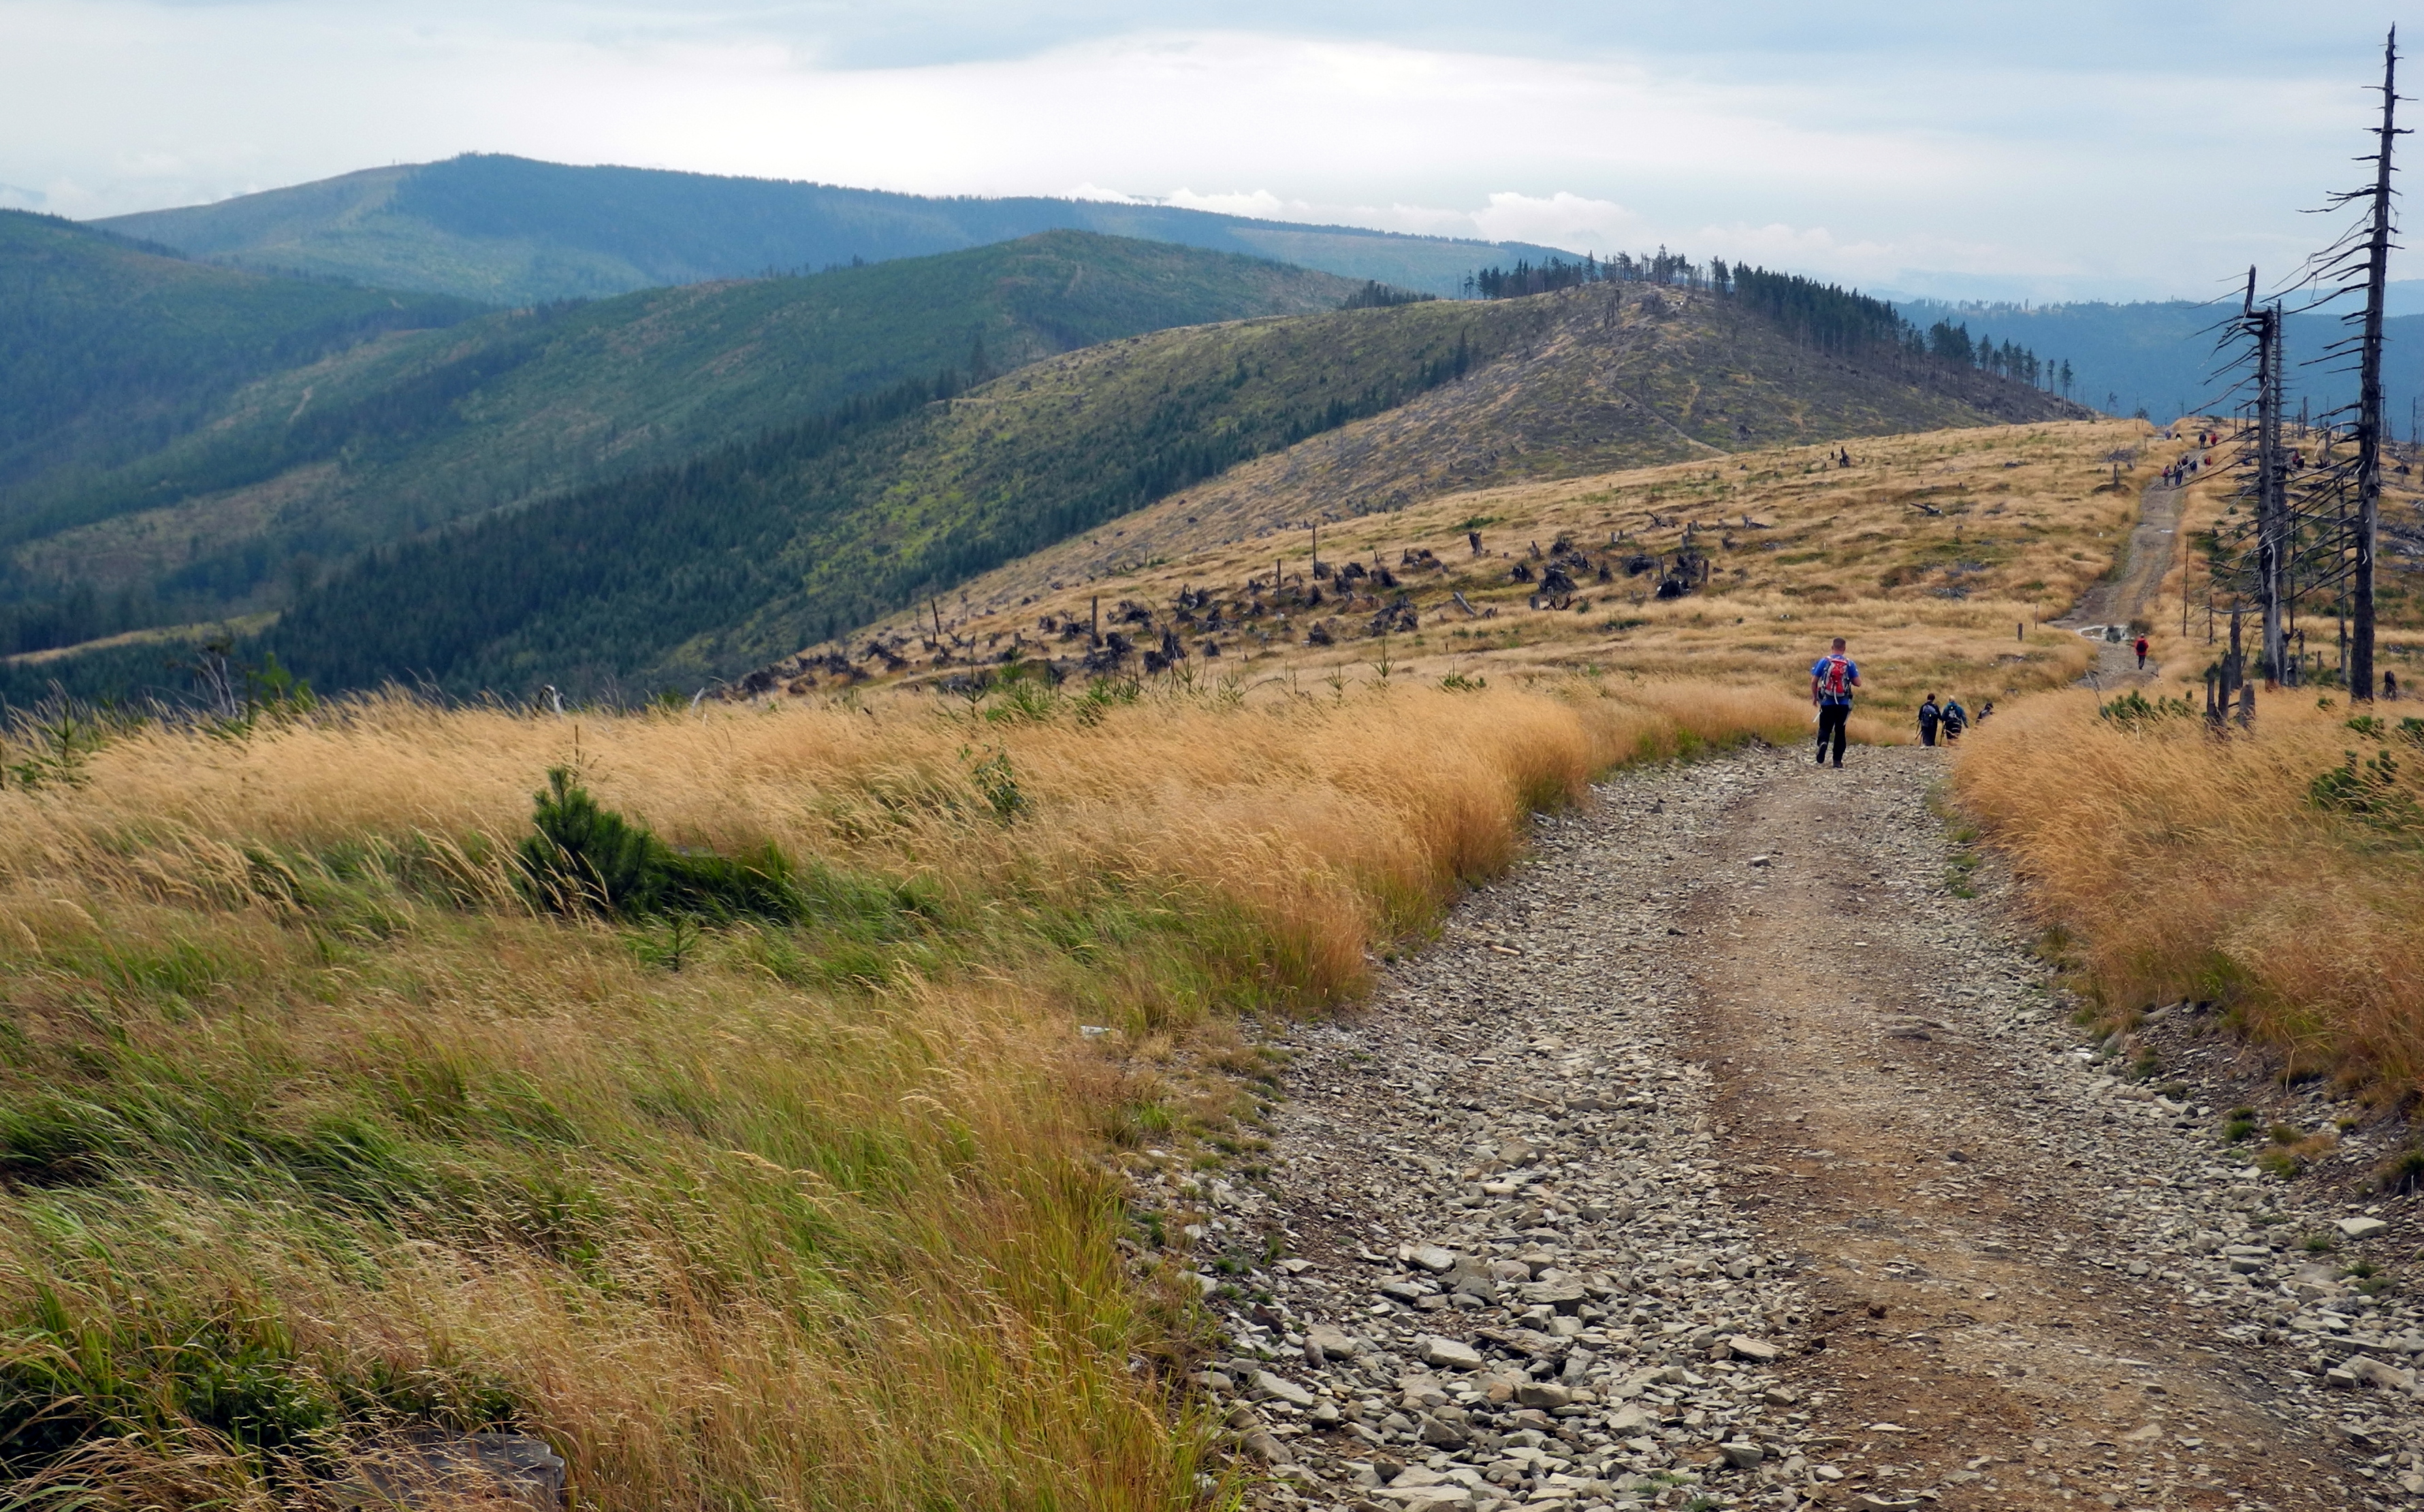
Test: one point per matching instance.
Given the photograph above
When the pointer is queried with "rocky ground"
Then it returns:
(1736, 1151)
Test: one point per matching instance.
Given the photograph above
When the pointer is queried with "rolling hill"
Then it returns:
(511, 230)
(680, 577)
(306, 466)
(110, 348)
(1592, 381)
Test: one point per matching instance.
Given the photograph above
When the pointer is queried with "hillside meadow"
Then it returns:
(1942, 556)
(319, 1132)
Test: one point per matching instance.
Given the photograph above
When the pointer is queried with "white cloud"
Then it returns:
(1870, 160)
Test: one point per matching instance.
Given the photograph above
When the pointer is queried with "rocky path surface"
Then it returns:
(1737, 1153)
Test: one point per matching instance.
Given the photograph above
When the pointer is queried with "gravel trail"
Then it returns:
(1730, 1153)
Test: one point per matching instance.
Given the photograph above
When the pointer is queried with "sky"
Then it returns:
(2048, 151)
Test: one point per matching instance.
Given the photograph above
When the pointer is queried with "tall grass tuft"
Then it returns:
(320, 1125)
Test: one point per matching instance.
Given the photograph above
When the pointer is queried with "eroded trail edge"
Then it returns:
(1731, 1153)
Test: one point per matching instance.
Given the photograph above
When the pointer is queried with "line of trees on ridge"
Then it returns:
(1824, 315)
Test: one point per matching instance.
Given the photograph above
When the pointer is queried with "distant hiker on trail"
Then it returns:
(1832, 679)
(1843, 458)
(2390, 686)
(1928, 717)
(2141, 649)
(1985, 713)
(1957, 719)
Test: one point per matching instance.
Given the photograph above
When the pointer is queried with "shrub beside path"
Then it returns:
(1736, 1152)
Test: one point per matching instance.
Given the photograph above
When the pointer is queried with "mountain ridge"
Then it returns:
(516, 231)
(382, 440)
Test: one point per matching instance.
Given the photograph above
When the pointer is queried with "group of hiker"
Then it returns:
(1835, 677)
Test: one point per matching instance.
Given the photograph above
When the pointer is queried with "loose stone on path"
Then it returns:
(1628, 1218)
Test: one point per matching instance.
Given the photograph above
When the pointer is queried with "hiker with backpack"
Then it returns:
(1957, 719)
(1832, 679)
(2141, 653)
(1929, 715)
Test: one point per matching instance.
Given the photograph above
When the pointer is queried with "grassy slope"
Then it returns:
(314, 1136)
(1582, 385)
(384, 440)
(2026, 520)
(109, 350)
(517, 231)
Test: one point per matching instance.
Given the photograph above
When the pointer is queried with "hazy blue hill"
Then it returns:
(110, 349)
(2159, 355)
(511, 230)
(309, 465)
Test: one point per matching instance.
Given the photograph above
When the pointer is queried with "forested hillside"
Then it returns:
(673, 577)
(109, 348)
(308, 466)
(511, 230)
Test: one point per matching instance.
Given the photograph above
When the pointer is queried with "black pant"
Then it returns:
(1927, 734)
(1830, 724)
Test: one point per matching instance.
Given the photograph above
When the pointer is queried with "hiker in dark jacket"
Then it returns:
(1957, 719)
(1928, 716)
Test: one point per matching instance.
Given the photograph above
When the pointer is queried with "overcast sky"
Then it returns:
(2046, 149)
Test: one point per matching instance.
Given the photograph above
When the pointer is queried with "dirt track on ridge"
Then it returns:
(1736, 1151)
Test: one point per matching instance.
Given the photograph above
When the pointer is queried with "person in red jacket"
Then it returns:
(2141, 653)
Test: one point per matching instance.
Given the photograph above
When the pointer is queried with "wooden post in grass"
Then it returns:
(2236, 672)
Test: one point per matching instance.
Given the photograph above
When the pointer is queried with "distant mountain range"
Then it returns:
(509, 231)
(2162, 357)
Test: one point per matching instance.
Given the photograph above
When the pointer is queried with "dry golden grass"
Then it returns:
(2174, 863)
(312, 1131)
(2179, 865)
(1946, 603)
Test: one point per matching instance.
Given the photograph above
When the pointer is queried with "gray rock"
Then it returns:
(434, 1468)
(1266, 1449)
(1268, 1385)
(1322, 1342)
(2360, 1228)
(1741, 1455)
(1433, 1258)
(1450, 1354)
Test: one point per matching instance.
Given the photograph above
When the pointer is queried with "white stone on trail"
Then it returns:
(2361, 1228)
(1448, 1354)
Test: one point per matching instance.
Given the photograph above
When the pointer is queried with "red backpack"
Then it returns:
(1836, 680)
